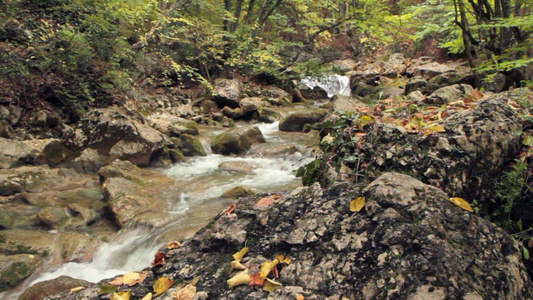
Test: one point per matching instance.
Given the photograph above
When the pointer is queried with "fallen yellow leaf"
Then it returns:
(267, 267)
(121, 296)
(186, 293)
(461, 203)
(283, 259)
(270, 285)
(364, 121)
(174, 245)
(76, 289)
(357, 204)
(300, 297)
(435, 127)
(147, 297)
(238, 279)
(161, 285)
(237, 265)
(130, 278)
(239, 255)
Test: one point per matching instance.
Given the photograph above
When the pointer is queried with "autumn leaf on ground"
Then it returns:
(239, 255)
(159, 259)
(435, 127)
(238, 279)
(461, 203)
(265, 201)
(140, 279)
(186, 293)
(131, 278)
(237, 265)
(364, 121)
(300, 297)
(174, 245)
(161, 285)
(121, 296)
(267, 267)
(147, 297)
(255, 279)
(119, 280)
(76, 289)
(107, 288)
(357, 204)
(230, 209)
(270, 285)
(283, 259)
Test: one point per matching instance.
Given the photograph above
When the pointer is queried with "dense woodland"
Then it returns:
(92, 52)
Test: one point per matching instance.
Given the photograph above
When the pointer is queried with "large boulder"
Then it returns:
(407, 242)
(448, 94)
(115, 136)
(427, 68)
(29, 179)
(189, 145)
(342, 103)
(42, 289)
(227, 92)
(236, 140)
(297, 120)
(476, 144)
(16, 153)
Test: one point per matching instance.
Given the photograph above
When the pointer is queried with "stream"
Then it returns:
(193, 201)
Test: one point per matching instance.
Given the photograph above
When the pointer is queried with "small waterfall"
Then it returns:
(332, 84)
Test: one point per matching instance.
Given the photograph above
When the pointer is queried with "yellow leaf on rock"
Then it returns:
(186, 293)
(240, 278)
(121, 296)
(283, 259)
(147, 297)
(267, 267)
(357, 204)
(174, 245)
(76, 289)
(161, 285)
(435, 127)
(239, 255)
(270, 285)
(364, 121)
(300, 297)
(461, 203)
(130, 278)
(237, 265)
(528, 141)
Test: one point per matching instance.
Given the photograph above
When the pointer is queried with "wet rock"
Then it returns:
(449, 94)
(415, 84)
(267, 115)
(15, 268)
(6, 218)
(245, 112)
(16, 153)
(408, 242)
(53, 217)
(315, 93)
(28, 179)
(51, 287)
(272, 150)
(238, 167)
(227, 92)
(113, 135)
(176, 156)
(189, 145)
(179, 129)
(237, 140)
(476, 144)
(342, 103)
(88, 161)
(297, 120)
(121, 168)
(238, 192)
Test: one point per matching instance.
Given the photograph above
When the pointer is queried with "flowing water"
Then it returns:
(332, 84)
(192, 202)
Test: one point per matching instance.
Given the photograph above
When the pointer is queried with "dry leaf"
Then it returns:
(161, 285)
(300, 297)
(276, 197)
(270, 285)
(147, 297)
(121, 296)
(240, 278)
(265, 201)
(435, 127)
(283, 259)
(230, 209)
(461, 203)
(255, 279)
(357, 204)
(239, 255)
(106, 289)
(119, 280)
(364, 121)
(76, 289)
(237, 265)
(159, 259)
(131, 278)
(174, 245)
(186, 293)
(140, 279)
(267, 267)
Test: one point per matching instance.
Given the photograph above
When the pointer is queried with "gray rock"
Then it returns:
(342, 103)
(449, 94)
(54, 217)
(297, 120)
(227, 92)
(415, 84)
(16, 153)
(6, 218)
(238, 166)
(15, 268)
(236, 140)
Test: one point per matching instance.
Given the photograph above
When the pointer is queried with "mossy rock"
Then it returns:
(238, 191)
(176, 155)
(237, 140)
(189, 145)
(15, 268)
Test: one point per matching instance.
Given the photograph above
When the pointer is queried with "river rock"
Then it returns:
(121, 168)
(442, 80)
(113, 135)
(51, 287)
(238, 166)
(315, 93)
(267, 115)
(297, 120)
(53, 217)
(15, 268)
(189, 145)
(476, 144)
(238, 192)
(408, 242)
(415, 84)
(342, 103)
(30, 179)
(272, 150)
(6, 218)
(449, 94)
(244, 112)
(227, 92)
(16, 153)
(236, 140)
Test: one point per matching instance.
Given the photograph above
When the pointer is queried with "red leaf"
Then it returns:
(265, 201)
(255, 279)
(159, 259)
(230, 209)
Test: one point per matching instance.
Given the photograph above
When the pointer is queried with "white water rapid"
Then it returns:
(332, 84)
(192, 202)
